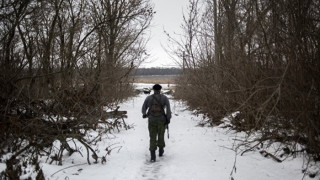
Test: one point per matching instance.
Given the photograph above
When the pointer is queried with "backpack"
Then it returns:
(156, 108)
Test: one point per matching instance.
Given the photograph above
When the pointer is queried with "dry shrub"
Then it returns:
(260, 58)
(63, 63)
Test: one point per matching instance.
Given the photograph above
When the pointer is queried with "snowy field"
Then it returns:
(191, 153)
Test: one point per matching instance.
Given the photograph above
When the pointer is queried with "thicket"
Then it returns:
(259, 58)
(64, 63)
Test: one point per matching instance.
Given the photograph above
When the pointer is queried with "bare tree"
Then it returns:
(62, 61)
(260, 58)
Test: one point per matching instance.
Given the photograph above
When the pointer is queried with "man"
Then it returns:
(153, 108)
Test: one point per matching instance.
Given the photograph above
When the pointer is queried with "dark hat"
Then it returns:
(157, 87)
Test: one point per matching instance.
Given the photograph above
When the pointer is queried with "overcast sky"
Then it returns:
(168, 17)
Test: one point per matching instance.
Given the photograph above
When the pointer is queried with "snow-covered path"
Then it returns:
(192, 152)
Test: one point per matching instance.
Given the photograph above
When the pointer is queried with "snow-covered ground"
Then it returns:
(191, 153)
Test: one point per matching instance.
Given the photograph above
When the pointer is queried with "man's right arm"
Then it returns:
(144, 108)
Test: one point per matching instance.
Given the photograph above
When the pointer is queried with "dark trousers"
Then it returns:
(156, 132)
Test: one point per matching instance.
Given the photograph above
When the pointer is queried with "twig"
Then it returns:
(227, 148)
(250, 148)
(305, 171)
(87, 147)
(119, 149)
(234, 168)
(266, 154)
(67, 168)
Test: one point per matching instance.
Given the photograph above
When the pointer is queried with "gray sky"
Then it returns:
(168, 17)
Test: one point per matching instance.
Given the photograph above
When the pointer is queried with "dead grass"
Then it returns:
(165, 79)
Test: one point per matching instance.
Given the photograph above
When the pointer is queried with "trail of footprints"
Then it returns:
(152, 170)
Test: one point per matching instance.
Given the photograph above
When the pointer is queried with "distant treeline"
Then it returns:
(156, 71)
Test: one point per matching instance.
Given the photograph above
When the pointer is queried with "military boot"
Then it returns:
(161, 151)
(153, 156)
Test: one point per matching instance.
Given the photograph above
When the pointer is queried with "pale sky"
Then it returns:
(168, 17)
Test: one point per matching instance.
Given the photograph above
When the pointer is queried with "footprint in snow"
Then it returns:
(152, 170)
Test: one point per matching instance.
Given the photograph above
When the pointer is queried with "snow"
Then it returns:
(192, 153)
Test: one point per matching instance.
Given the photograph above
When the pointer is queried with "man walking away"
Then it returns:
(154, 108)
